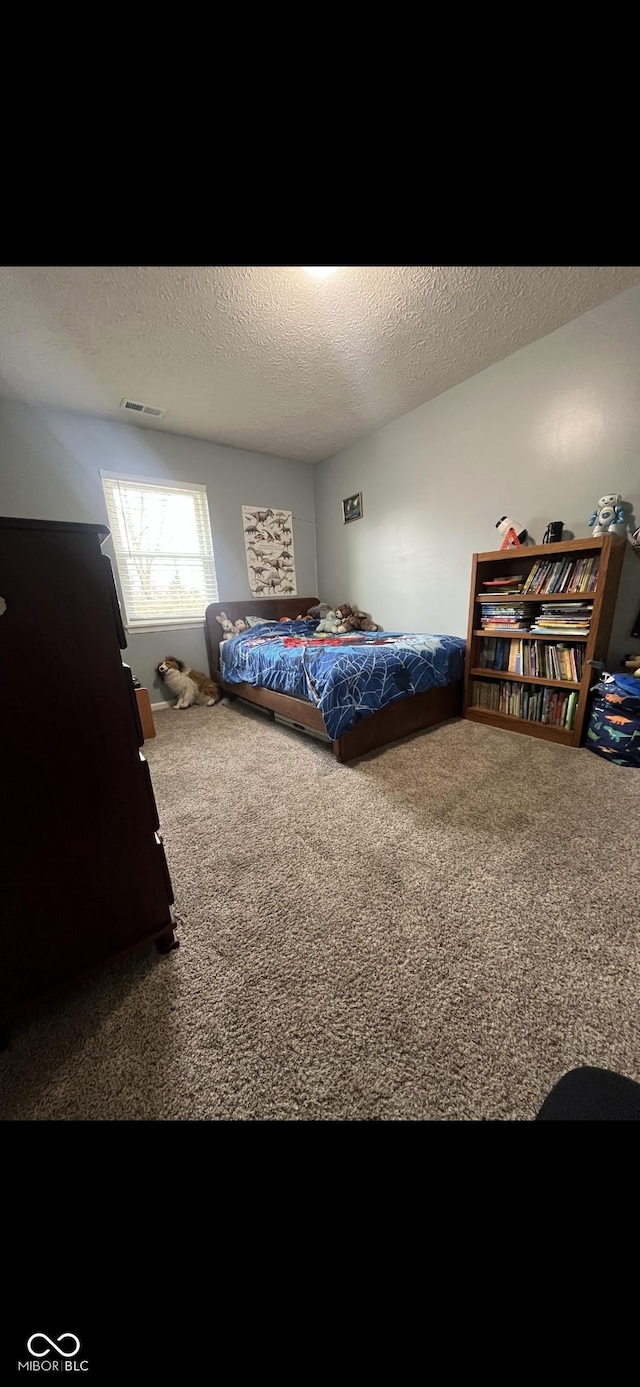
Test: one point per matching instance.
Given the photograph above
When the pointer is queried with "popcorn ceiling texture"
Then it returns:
(266, 358)
(393, 939)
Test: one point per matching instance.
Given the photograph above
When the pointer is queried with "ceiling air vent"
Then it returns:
(143, 409)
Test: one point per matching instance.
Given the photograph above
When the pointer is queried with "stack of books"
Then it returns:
(562, 575)
(566, 619)
(550, 706)
(536, 658)
(504, 617)
(505, 587)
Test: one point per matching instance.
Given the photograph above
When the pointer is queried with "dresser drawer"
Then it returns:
(149, 798)
(131, 694)
(113, 598)
(165, 869)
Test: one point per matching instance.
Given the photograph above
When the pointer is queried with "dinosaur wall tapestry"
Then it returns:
(268, 538)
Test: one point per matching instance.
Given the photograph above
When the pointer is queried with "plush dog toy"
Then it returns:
(231, 628)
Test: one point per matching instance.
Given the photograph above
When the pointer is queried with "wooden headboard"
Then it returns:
(271, 608)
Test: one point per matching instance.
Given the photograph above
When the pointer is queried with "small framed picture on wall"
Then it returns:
(352, 508)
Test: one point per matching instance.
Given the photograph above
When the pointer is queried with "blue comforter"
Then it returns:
(347, 677)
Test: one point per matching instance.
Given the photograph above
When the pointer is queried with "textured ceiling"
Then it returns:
(266, 357)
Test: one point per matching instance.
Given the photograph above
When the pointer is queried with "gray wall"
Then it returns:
(50, 464)
(539, 436)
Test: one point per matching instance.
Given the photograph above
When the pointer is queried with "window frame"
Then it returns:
(184, 623)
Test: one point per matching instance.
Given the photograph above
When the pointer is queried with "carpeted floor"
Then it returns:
(438, 931)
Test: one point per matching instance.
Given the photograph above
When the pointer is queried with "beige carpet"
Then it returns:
(438, 931)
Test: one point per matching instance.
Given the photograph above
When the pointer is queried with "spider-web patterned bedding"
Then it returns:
(347, 677)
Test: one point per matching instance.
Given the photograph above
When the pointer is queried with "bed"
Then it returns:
(334, 688)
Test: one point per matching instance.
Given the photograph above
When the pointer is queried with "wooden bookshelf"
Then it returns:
(502, 563)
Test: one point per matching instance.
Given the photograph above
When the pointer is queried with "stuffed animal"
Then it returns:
(329, 626)
(608, 517)
(319, 612)
(347, 618)
(363, 622)
(352, 620)
(231, 628)
(343, 620)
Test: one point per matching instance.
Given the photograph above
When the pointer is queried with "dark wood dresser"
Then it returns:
(84, 876)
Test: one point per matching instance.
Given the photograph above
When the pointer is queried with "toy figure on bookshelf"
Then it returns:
(514, 534)
(608, 517)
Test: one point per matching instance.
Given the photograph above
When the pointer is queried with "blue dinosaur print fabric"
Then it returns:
(348, 677)
(614, 719)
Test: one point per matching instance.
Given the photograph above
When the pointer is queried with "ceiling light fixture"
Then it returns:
(320, 271)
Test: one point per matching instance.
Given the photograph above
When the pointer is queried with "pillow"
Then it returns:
(260, 621)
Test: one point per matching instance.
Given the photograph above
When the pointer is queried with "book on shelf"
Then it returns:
(511, 616)
(541, 659)
(573, 699)
(500, 589)
(515, 657)
(562, 575)
(553, 707)
(515, 581)
(570, 618)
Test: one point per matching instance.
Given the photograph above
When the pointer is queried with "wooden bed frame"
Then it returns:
(387, 725)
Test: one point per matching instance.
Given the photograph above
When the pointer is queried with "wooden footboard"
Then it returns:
(400, 720)
(297, 709)
(390, 724)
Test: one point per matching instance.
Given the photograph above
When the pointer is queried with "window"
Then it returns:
(162, 540)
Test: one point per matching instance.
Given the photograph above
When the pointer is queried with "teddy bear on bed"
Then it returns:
(344, 619)
(353, 620)
(230, 628)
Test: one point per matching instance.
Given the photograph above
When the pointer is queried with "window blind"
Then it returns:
(162, 540)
